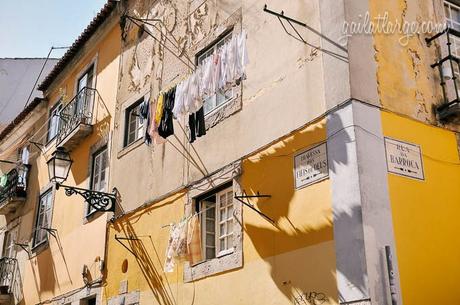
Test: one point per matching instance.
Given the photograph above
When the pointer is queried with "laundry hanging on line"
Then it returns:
(219, 71)
(184, 242)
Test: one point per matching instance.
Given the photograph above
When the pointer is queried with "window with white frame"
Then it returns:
(53, 121)
(216, 214)
(134, 129)
(452, 12)
(43, 218)
(98, 174)
(215, 101)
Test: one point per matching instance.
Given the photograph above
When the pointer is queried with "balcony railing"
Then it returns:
(448, 66)
(76, 118)
(14, 189)
(7, 274)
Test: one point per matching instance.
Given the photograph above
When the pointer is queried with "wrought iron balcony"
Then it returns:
(14, 189)
(76, 119)
(449, 72)
(8, 268)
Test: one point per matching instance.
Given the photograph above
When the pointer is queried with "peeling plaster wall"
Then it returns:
(285, 86)
(406, 82)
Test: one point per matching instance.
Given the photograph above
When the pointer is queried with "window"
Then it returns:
(221, 219)
(452, 15)
(88, 301)
(43, 219)
(134, 129)
(452, 12)
(217, 223)
(222, 96)
(82, 107)
(98, 174)
(53, 122)
(9, 244)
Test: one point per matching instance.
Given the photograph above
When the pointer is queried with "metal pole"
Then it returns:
(391, 275)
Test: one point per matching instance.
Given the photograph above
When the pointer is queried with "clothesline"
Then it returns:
(188, 217)
(222, 69)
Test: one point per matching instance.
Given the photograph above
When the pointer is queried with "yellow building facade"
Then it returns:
(327, 173)
(57, 242)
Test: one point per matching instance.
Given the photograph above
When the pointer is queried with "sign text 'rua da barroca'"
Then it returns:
(311, 166)
(404, 159)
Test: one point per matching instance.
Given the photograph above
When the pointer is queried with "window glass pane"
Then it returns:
(53, 123)
(210, 239)
(98, 182)
(134, 128)
(222, 229)
(222, 244)
(210, 253)
(454, 14)
(210, 226)
(223, 214)
(43, 217)
(230, 227)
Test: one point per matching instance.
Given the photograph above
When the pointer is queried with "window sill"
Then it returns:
(225, 262)
(130, 147)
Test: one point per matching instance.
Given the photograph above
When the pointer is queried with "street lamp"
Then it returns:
(59, 165)
(58, 169)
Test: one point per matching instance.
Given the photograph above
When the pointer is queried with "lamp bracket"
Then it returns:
(100, 201)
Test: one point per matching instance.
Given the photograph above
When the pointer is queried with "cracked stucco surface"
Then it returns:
(406, 82)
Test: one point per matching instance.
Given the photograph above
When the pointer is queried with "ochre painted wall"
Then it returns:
(57, 269)
(425, 214)
(406, 82)
(280, 262)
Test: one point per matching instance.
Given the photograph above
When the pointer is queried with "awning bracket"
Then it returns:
(298, 36)
(119, 240)
(243, 196)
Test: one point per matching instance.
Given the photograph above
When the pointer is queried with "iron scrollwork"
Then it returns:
(100, 201)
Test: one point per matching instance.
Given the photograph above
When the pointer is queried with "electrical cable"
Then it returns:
(41, 71)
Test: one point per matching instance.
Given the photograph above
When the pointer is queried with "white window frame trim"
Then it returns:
(97, 151)
(120, 124)
(217, 222)
(228, 261)
(51, 189)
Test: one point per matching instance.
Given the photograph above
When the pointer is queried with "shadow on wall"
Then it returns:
(80, 170)
(151, 271)
(43, 263)
(303, 219)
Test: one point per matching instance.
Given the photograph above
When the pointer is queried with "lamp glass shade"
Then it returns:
(59, 165)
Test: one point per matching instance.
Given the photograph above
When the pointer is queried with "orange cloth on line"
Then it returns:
(194, 249)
